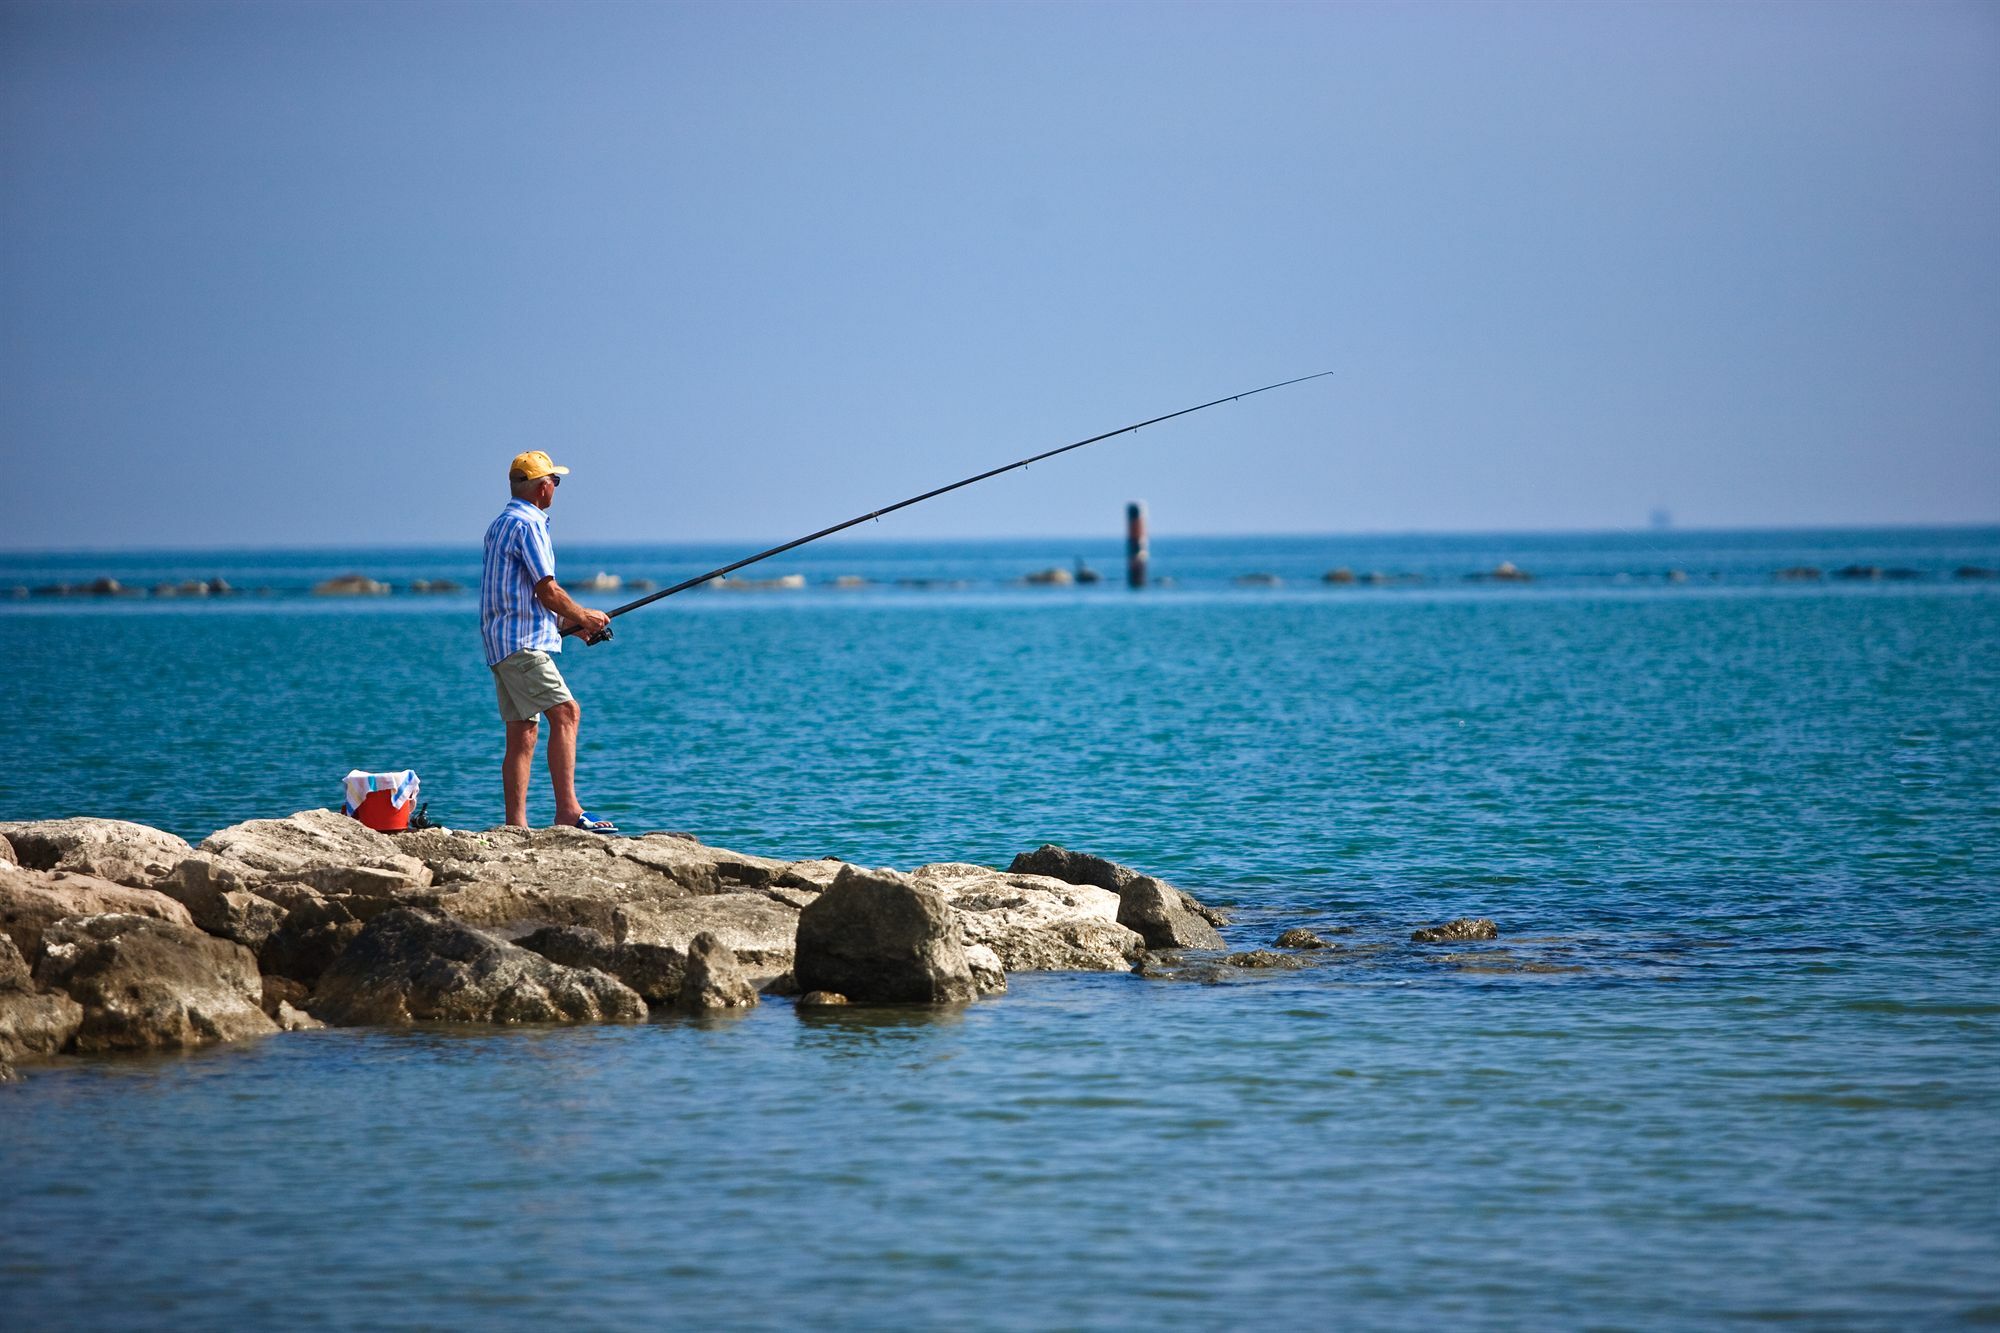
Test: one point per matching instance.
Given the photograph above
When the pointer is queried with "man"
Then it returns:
(522, 613)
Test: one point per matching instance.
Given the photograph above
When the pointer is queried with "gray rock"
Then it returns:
(714, 981)
(289, 1018)
(988, 977)
(654, 971)
(114, 849)
(1460, 928)
(14, 968)
(878, 936)
(316, 931)
(1156, 911)
(31, 1023)
(308, 840)
(146, 984)
(1264, 958)
(758, 930)
(410, 966)
(1164, 916)
(1298, 937)
(31, 901)
(217, 893)
(1034, 923)
(389, 879)
(281, 991)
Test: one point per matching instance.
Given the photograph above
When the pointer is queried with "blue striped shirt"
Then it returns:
(518, 556)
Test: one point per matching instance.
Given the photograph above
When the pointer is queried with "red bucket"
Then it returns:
(378, 810)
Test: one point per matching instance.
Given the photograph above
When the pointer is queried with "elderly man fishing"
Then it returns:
(523, 612)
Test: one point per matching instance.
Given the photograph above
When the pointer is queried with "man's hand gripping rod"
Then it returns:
(700, 579)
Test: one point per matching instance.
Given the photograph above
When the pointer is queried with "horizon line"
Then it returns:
(1613, 531)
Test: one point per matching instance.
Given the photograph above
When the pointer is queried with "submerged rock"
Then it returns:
(713, 980)
(146, 984)
(410, 966)
(1298, 937)
(879, 936)
(1460, 928)
(114, 849)
(1264, 958)
(821, 999)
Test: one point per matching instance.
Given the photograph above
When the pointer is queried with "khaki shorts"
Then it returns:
(529, 685)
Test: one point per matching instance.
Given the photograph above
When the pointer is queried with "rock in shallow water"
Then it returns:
(878, 936)
(409, 966)
(152, 985)
(1458, 929)
(1298, 937)
(713, 979)
(1164, 916)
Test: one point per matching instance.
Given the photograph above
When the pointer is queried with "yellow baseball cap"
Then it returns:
(533, 464)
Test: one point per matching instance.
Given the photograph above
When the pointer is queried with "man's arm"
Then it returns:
(566, 609)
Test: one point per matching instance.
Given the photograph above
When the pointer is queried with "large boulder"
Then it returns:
(308, 840)
(880, 936)
(1034, 923)
(7, 856)
(31, 901)
(1162, 914)
(713, 979)
(411, 966)
(113, 849)
(31, 1023)
(146, 984)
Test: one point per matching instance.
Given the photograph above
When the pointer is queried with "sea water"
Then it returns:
(1732, 1060)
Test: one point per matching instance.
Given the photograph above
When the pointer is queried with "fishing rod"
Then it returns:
(700, 579)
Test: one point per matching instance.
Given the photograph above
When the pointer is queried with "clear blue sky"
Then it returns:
(311, 273)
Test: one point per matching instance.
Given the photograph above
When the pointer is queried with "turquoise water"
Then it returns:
(1733, 1061)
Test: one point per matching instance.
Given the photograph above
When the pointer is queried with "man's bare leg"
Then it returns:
(518, 765)
(563, 723)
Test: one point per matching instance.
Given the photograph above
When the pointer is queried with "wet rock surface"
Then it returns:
(1298, 937)
(1459, 929)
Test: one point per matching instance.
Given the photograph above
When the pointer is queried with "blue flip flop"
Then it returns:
(590, 823)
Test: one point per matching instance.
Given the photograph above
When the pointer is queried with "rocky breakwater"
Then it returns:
(119, 937)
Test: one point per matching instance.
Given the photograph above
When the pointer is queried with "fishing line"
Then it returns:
(700, 579)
